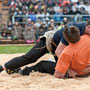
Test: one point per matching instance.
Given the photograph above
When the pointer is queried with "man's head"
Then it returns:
(71, 34)
(87, 29)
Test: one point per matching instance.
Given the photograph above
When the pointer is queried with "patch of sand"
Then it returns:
(39, 81)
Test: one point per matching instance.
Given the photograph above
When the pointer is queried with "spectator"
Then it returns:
(25, 13)
(31, 7)
(81, 5)
(32, 16)
(66, 2)
(51, 27)
(19, 5)
(65, 11)
(29, 22)
(4, 31)
(9, 25)
(12, 4)
(51, 11)
(56, 8)
(47, 22)
(45, 15)
(74, 1)
(52, 24)
(11, 10)
(61, 26)
(58, 18)
(24, 7)
(65, 21)
(39, 15)
(70, 12)
(11, 13)
(29, 36)
(18, 12)
(35, 28)
(50, 3)
(40, 32)
(83, 11)
(44, 27)
(17, 32)
(9, 2)
(74, 6)
(87, 8)
(32, 23)
(77, 11)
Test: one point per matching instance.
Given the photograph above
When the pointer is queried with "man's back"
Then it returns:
(81, 53)
(76, 56)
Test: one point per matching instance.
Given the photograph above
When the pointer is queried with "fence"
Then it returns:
(56, 18)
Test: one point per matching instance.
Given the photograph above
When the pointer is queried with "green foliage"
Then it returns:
(14, 49)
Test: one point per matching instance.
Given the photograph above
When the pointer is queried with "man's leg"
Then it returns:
(43, 67)
(33, 55)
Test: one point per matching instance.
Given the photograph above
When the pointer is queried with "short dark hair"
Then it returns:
(71, 34)
(88, 22)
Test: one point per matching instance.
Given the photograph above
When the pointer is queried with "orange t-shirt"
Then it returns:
(75, 56)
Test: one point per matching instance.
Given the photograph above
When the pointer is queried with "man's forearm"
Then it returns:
(59, 49)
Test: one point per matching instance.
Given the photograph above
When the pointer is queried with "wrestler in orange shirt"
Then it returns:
(76, 55)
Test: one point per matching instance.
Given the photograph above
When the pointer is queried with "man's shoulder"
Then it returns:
(68, 50)
(85, 36)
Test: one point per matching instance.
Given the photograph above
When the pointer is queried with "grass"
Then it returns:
(14, 49)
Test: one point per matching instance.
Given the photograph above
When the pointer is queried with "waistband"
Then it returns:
(54, 43)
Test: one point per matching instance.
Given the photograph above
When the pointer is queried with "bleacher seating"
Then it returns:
(12, 42)
(0, 11)
(3, 11)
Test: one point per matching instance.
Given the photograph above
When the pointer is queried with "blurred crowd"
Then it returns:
(42, 9)
(41, 16)
(29, 32)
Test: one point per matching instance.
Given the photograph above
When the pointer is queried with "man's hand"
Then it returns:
(87, 70)
(59, 74)
(72, 73)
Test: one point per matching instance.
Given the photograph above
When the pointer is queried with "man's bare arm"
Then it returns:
(58, 74)
(59, 49)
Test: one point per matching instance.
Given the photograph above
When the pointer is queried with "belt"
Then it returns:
(54, 43)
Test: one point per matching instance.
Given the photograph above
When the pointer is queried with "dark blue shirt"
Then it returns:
(58, 36)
